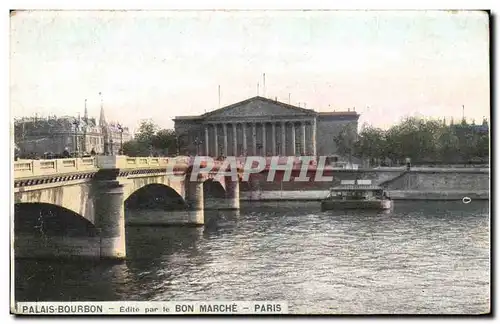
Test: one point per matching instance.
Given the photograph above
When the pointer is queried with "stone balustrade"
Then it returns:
(123, 162)
(34, 168)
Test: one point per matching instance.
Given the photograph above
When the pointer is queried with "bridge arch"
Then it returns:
(45, 219)
(213, 189)
(155, 195)
(214, 194)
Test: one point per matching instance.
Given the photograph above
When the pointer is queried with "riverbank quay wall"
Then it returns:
(400, 184)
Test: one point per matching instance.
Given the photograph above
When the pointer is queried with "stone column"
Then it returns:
(224, 128)
(207, 151)
(194, 199)
(254, 138)
(216, 141)
(283, 138)
(313, 124)
(110, 218)
(244, 130)
(273, 142)
(232, 193)
(293, 138)
(264, 139)
(235, 141)
(303, 125)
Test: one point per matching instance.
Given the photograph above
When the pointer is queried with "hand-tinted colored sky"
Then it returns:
(157, 65)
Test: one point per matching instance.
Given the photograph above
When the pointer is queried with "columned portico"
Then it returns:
(303, 138)
(283, 138)
(224, 128)
(264, 152)
(235, 140)
(306, 138)
(207, 151)
(244, 130)
(260, 126)
(273, 140)
(313, 139)
(216, 146)
(254, 138)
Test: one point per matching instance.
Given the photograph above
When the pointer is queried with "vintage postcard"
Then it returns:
(250, 162)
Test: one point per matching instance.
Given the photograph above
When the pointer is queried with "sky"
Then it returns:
(160, 64)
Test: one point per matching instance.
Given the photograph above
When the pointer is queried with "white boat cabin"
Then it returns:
(356, 190)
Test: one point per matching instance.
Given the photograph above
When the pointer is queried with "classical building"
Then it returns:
(264, 127)
(54, 134)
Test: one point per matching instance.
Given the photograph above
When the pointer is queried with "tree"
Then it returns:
(135, 148)
(165, 141)
(146, 132)
(149, 140)
(448, 145)
(346, 139)
(370, 143)
(483, 146)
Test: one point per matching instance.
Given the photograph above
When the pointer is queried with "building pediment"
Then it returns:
(258, 107)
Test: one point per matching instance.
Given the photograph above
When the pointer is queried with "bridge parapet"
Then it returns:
(34, 168)
(123, 162)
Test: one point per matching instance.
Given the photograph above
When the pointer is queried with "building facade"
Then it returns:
(37, 136)
(262, 127)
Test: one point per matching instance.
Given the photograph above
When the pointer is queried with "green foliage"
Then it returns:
(370, 143)
(346, 140)
(419, 139)
(165, 141)
(151, 141)
(146, 132)
(136, 148)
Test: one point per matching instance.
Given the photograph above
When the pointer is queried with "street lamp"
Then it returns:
(260, 147)
(77, 124)
(120, 128)
(197, 142)
(111, 149)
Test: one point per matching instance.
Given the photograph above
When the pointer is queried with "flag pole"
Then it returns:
(264, 85)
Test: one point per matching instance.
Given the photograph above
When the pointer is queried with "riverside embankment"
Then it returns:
(401, 184)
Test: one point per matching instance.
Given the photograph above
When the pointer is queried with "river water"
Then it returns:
(423, 257)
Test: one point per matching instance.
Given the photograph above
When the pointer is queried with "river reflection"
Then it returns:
(423, 257)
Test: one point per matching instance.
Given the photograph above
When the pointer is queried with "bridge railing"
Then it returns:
(126, 162)
(33, 168)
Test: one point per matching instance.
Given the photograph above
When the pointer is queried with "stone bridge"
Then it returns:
(91, 195)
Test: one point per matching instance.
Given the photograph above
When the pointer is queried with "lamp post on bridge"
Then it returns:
(77, 124)
(120, 128)
(111, 149)
(197, 142)
(259, 147)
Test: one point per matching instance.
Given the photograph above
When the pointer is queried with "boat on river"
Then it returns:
(360, 195)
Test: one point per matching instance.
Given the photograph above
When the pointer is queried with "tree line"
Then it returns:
(149, 140)
(421, 140)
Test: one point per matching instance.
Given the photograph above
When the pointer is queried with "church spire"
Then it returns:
(102, 119)
(85, 112)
